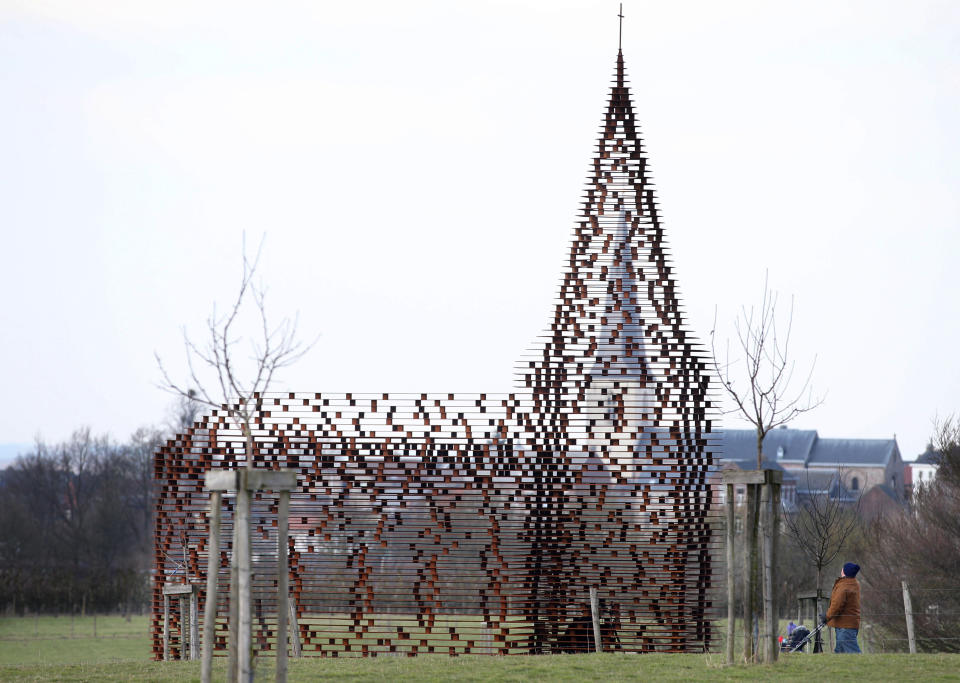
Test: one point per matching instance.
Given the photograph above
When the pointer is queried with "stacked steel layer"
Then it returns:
(477, 523)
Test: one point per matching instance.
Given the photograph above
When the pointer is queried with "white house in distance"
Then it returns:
(923, 470)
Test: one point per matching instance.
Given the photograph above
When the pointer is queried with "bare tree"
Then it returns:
(240, 396)
(946, 442)
(761, 386)
(275, 348)
(761, 382)
(921, 545)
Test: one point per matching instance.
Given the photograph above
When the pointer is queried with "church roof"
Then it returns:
(780, 445)
(870, 452)
(806, 447)
(928, 457)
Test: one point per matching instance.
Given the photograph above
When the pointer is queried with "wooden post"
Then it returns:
(595, 615)
(194, 625)
(776, 510)
(769, 518)
(908, 613)
(764, 652)
(283, 590)
(213, 570)
(184, 626)
(166, 628)
(829, 634)
(294, 629)
(818, 639)
(731, 573)
(749, 570)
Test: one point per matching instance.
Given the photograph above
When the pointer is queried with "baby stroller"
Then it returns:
(800, 637)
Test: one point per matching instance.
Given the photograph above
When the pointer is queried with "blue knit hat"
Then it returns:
(850, 569)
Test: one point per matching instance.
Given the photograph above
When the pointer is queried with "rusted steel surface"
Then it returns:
(477, 523)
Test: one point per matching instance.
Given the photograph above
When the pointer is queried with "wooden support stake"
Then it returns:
(731, 574)
(213, 570)
(775, 505)
(194, 625)
(595, 614)
(294, 629)
(749, 570)
(908, 613)
(283, 590)
(166, 628)
(184, 626)
(767, 639)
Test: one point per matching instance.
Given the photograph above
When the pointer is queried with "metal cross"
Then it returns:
(620, 38)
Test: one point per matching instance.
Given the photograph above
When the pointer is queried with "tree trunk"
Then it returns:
(245, 603)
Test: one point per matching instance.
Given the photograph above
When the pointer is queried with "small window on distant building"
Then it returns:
(855, 484)
(779, 451)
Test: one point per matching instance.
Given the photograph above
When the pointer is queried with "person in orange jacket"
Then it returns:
(844, 610)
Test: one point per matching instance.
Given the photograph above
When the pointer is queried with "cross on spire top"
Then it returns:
(620, 39)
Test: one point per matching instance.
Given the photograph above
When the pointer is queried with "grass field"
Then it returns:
(43, 649)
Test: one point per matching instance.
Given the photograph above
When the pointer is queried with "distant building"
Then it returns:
(844, 469)
(923, 469)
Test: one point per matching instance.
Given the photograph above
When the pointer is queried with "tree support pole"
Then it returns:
(731, 574)
(234, 601)
(749, 570)
(295, 630)
(908, 613)
(210, 606)
(595, 616)
(283, 590)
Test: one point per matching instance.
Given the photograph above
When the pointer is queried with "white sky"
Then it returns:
(416, 167)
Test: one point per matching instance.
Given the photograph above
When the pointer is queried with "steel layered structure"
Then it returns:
(477, 523)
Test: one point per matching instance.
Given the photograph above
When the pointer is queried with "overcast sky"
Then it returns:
(415, 168)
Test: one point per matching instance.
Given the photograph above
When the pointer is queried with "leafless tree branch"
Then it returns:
(277, 348)
(762, 390)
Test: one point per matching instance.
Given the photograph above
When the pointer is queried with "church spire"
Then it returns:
(617, 329)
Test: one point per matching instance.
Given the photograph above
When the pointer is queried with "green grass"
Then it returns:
(66, 640)
(43, 650)
(610, 667)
